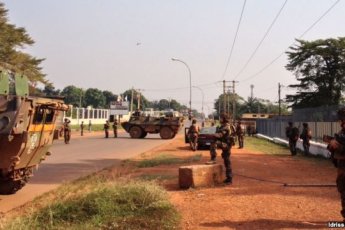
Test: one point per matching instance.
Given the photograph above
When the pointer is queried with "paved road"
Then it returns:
(82, 156)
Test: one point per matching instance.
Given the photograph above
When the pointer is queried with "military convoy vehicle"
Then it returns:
(27, 126)
(139, 126)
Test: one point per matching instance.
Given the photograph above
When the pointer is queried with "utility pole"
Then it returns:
(251, 91)
(279, 102)
(224, 96)
(234, 99)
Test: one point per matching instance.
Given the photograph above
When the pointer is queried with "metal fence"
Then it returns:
(276, 128)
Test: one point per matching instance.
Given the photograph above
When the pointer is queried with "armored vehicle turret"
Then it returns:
(27, 127)
(139, 125)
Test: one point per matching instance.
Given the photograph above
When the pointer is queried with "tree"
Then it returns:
(49, 90)
(144, 103)
(95, 98)
(109, 97)
(73, 95)
(12, 42)
(319, 66)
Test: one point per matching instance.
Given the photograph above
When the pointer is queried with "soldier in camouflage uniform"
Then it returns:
(225, 135)
(67, 131)
(193, 133)
(106, 129)
(337, 148)
(306, 136)
(115, 128)
(240, 134)
(213, 150)
(292, 133)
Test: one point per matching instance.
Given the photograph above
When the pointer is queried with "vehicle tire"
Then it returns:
(166, 133)
(135, 132)
(10, 187)
(143, 135)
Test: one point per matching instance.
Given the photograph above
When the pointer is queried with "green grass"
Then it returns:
(94, 203)
(156, 177)
(166, 159)
(95, 127)
(268, 147)
(265, 146)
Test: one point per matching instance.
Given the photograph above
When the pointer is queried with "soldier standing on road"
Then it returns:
(292, 133)
(115, 128)
(193, 133)
(90, 125)
(225, 135)
(67, 131)
(82, 128)
(306, 136)
(239, 133)
(106, 129)
(338, 151)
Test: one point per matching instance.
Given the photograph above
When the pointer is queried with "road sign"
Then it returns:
(119, 107)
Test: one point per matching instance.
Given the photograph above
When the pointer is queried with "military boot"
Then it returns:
(228, 181)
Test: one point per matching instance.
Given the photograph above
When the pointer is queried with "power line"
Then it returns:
(260, 43)
(309, 28)
(233, 43)
(181, 88)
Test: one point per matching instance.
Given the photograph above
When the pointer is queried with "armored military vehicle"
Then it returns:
(139, 126)
(27, 127)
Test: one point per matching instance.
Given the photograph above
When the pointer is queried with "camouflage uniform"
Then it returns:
(193, 133)
(337, 148)
(306, 136)
(213, 149)
(292, 133)
(106, 129)
(115, 128)
(225, 136)
(239, 133)
(67, 131)
(82, 128)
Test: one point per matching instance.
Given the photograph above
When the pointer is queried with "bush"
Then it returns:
(130, 205)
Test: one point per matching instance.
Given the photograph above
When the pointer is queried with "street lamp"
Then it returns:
(190, 83)
(202, 103)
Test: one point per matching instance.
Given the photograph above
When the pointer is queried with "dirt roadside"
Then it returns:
(257, 199)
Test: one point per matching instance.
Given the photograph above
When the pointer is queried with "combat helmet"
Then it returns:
(341, 114)
(224, 117)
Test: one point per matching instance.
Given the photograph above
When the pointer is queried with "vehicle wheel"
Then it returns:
(166, 133)
(143, 135)
(10, 186)
(135, 132)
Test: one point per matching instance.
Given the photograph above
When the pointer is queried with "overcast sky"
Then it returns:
(118, 44)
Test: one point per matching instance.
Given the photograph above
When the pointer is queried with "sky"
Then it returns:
(119, 44)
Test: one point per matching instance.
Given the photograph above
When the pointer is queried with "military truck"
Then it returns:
(139, 125)
(27, 125)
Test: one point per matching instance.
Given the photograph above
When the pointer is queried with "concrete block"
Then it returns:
(200, 175)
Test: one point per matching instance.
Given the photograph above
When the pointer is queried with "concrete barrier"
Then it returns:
(200, 175)
(316, 148)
